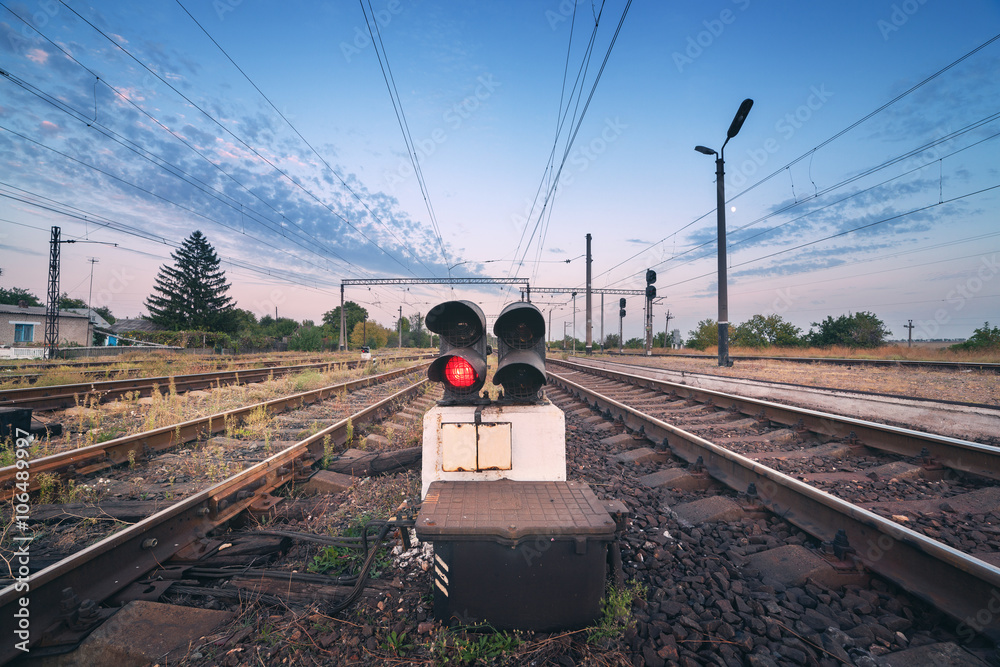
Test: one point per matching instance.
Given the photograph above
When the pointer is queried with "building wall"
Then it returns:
(71, 329)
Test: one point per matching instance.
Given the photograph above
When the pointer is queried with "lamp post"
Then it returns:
(720, 204)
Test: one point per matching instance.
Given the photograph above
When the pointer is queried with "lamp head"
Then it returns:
(706, 151)
(741, 115)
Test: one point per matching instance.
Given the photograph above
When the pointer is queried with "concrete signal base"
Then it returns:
(483, 443)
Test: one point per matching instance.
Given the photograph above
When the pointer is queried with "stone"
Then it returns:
(714, 508)
(327, 481)
(144, 633)
(675, 478)
(640, 455)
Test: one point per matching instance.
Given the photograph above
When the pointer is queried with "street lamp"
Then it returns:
(720, 205)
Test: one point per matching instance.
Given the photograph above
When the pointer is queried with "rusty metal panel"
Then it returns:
(493, 442)
(458, 447)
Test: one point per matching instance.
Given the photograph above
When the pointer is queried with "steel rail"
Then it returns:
(108, 566)
(963, 455)
(960, 585)
(140, 446)
(912, 363)
(105, 369)
(68, 395)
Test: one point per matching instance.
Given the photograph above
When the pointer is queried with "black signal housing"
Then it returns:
(461, 363)
(520, 332)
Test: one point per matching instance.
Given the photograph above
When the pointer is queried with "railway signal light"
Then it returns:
(650, 279)
(520, 332)
(461, 363)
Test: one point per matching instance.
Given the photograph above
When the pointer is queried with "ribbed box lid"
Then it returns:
(512, 510)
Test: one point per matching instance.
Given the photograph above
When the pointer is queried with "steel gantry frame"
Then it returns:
(52, 304)
(525, 292)
(416, 281)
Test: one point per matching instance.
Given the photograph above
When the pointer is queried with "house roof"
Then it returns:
(121, 326)
(39, 311)
(95, 317)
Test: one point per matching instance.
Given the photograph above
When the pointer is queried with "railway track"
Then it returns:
(57, 397)
(745, 443)
(101, 456)
(970, 421)
(112, 564)
(705, 596)
(891, 363)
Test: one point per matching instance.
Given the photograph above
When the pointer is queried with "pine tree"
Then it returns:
(191, 294)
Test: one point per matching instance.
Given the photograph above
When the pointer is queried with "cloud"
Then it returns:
(38, 56)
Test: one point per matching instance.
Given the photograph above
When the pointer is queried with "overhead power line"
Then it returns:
(397, 105)
(825, 142)
(225, 129)
(375, 216)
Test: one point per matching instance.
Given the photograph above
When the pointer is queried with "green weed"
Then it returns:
(617, 611)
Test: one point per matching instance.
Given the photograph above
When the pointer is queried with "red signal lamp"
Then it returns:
(459, 373)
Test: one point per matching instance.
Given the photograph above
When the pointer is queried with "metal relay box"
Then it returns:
(517, 555)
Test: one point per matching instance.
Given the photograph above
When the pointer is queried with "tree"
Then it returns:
(278, 328)
(983, 338)
(105, 312)
(15, 295)
(66, 302)
(377, 335)
(858, 330)
(611, 342)
(307, 338)
(354, 314)
(706, 335)
(764, 331)
(242, 320)
(192, 293)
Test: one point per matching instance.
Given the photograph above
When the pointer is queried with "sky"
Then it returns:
(865, 177)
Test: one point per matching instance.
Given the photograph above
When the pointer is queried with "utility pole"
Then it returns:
(574, 323)
(909, 336)
(400, 346)
(590, 339)
(90, 305)
(52, 305)
(602, 321)
(343, 321)
(666, 330)
(90, 294)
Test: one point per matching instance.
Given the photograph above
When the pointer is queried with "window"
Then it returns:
(24, 333)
